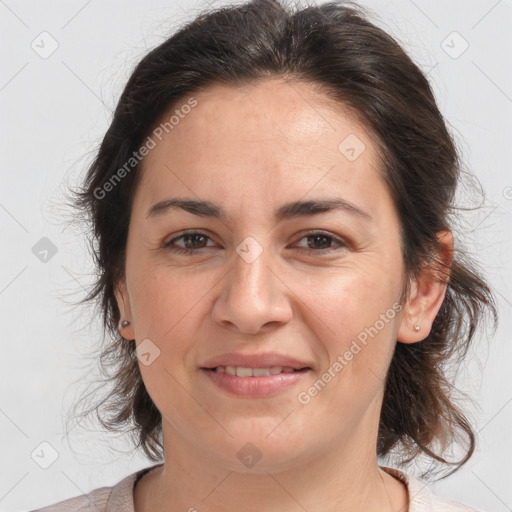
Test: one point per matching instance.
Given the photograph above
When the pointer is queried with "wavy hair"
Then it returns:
(333, 46)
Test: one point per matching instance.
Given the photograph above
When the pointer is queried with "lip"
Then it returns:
(254, 387)
(262, 360)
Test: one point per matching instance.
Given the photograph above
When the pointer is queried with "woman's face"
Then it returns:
(320, 288)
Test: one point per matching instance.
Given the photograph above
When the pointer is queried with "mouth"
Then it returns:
(256, 375)
(241, 371)
(261, 382)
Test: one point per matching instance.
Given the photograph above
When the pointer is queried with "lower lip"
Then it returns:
(254, 386)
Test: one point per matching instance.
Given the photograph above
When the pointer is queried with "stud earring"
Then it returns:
(123, 324)
(416, 328)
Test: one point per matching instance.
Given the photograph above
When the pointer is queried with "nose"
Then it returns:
(253, 296)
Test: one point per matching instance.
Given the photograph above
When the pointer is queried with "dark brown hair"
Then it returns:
(359, 66)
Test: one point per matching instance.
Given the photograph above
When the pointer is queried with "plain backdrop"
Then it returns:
(63, 66)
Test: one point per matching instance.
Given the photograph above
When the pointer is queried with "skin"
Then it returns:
(251, 150)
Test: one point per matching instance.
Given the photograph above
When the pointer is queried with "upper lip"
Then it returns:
(262, 360)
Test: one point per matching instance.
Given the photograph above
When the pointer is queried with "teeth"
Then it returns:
(240, 371)
(260, 372)
(244, 372)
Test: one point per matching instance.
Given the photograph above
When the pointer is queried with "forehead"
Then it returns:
(276, 137)
(271, 110)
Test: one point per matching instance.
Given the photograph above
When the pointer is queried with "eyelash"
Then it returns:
(182, 250)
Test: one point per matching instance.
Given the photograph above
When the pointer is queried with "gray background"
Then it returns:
(55, 109)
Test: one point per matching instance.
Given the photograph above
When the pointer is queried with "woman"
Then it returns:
(270, 206)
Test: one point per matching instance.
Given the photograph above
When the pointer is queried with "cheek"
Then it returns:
(172, 308)
(166, 299)
(353, 315)
(166, 307)
(348, 298)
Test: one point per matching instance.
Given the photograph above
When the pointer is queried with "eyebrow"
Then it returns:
(289, 210)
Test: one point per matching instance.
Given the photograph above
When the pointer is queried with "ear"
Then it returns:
(123, 303)
(426, 295)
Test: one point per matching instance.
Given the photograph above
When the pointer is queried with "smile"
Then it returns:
(254, 382)
(240, 371)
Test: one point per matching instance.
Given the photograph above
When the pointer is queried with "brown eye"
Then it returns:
(194, 242)
(320, 242)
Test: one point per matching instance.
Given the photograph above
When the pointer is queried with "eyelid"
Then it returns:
(340, 241)
(335, 238)
(320, 232)
(190, 232)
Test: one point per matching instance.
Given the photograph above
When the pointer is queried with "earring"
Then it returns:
(416, 328)
(123, 324)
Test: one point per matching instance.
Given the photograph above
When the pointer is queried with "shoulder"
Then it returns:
(422, 499)
(115, 498)
(95, 500)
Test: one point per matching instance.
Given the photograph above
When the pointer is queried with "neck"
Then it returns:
(345, 479)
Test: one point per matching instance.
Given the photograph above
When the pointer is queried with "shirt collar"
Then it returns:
(121, 497)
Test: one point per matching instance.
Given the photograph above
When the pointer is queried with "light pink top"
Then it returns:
(119, 498)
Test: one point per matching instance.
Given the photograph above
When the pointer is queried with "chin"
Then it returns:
(258, 452)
